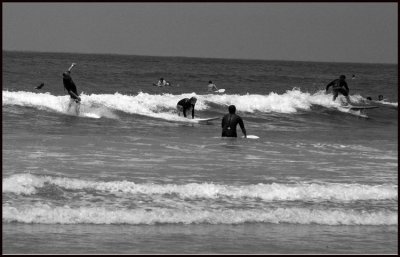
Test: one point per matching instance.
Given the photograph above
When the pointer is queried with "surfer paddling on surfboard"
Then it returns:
(186, 105)
(229, 123)
(339, 86)
(70, 86)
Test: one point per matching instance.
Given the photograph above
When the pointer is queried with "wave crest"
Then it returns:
(28, 184)
(66, 215)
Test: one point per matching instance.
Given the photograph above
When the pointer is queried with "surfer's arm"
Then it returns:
(346, 87)
(192, 111)
(72, 65)
(329, 85)
(184, 111)
(241, 124)
(73, 94)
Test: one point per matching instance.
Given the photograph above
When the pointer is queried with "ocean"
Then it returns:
(127, 175)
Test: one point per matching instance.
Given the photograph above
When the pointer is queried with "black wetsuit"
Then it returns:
(229, 123)
(186, 105)
(338, 86)
(69, 85)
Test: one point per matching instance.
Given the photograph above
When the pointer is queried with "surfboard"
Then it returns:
(206, 120)
(167, 84)
(252, 137)
(360, 107)
(90, 115)
(220, 90)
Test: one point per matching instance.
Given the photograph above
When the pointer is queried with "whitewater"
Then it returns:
(164, 106)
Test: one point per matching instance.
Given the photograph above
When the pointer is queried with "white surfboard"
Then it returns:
(206, 120)
(359, 107)
(220, 90)
(252, 137)
(84, 115)
(90, 115)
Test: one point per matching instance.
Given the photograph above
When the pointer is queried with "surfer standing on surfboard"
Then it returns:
(339, 86)
(185, 105)
(70, 86)
(229, 123)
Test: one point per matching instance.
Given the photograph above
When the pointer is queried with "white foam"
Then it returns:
(37, 100)
(46, 101)
(289, 102)
(23, 184)
(164, 106)
(28, 184)
(387, 103)
(41, 213)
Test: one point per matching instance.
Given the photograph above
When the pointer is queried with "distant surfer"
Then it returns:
(70, 86)
(211, 87)
(353, 76)
(40, 86)
(229, 123)
(339, 86)
(380, 97)
(186, 105)
(162, 83)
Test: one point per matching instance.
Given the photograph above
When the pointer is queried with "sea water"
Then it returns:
(127, 175)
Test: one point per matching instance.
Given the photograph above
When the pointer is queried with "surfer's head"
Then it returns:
(210, 82)
(342, 77)
(193, 100)
(66, 73)
(380, 97)
(232, 109)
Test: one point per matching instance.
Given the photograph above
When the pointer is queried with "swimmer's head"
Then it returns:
(210, 81)
(232, 109)
(380, 97)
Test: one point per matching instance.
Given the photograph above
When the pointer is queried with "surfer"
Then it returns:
(40, 86)
(185, 105)
(229, 123)
(211, 87)
(162, 83)
(380, 97)
(339, 86)
(70, 86)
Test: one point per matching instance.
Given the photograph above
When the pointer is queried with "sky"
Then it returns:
(328, 32)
